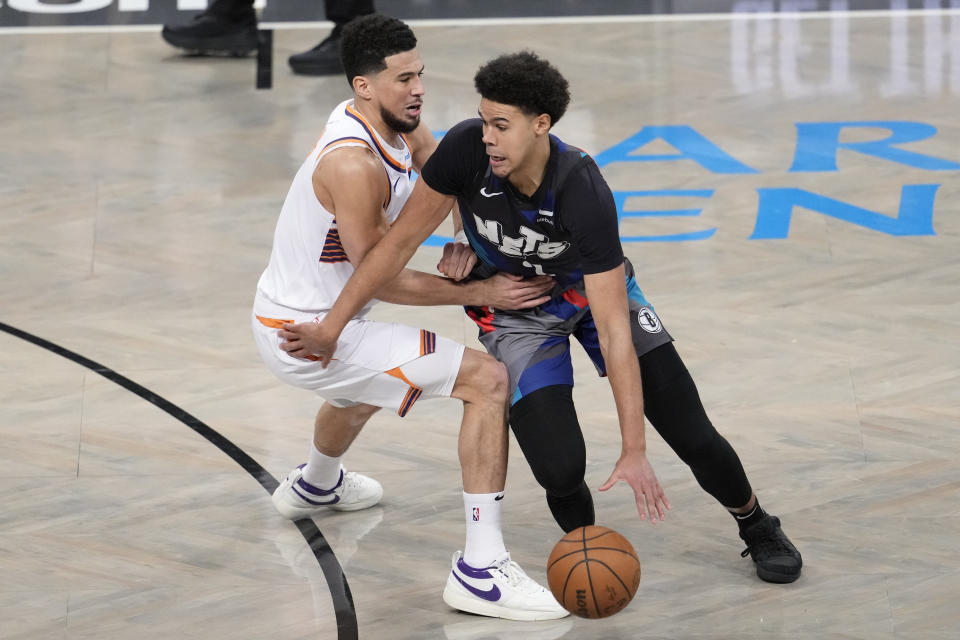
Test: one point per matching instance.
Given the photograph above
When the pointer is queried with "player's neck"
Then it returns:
(527, 178)
(372, 116)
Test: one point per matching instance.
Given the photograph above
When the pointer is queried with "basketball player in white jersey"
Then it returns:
(350, 188)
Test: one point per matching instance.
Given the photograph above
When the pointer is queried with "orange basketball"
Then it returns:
(593, 572)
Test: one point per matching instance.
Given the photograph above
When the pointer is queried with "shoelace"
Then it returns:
(350, 481)
(516, 577)
(771, 543)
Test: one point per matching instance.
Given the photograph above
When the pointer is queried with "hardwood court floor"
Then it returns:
(138, 194)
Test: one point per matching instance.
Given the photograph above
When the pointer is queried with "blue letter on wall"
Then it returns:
(692, 146)
(914, 219)
(818, 142)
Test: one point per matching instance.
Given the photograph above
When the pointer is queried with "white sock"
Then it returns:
(321, 471)
(484, 536)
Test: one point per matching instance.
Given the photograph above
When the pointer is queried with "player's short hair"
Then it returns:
(526, 81)
(368, 40)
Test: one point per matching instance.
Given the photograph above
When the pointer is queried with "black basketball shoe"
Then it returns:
(322, 60)
(215, 33)
(776, 558)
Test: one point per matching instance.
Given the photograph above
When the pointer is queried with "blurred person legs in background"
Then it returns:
(229, 27)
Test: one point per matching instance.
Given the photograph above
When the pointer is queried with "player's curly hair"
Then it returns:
(368, 40)
(526, 81)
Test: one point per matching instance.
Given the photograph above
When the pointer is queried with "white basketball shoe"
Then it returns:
(296, 498)
(501, 590)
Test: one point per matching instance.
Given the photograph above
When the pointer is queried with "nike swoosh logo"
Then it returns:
(492, 594)
(483, 192)
(317, 503)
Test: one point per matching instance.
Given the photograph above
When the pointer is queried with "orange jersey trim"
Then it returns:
(353, 113)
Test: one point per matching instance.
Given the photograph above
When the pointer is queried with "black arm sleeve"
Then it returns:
(457, 158)
(590, 217)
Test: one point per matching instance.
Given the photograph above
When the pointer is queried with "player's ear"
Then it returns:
(541, 124)
(362, 88)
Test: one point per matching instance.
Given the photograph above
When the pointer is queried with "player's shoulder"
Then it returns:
(348, 166)
(571, 155)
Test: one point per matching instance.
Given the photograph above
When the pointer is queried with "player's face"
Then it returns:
(510, 136)
(399, 90)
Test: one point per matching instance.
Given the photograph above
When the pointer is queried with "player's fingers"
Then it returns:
(467, 266)
(612, 480)
(463, 268)
(535, 302)
(661, 503)
(650, 502)
(654, 506)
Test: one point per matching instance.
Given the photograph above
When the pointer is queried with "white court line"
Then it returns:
(546, 20)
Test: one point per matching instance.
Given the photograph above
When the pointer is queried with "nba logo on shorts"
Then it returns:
(476, 514)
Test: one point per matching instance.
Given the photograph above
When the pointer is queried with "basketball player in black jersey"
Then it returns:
(531, 205)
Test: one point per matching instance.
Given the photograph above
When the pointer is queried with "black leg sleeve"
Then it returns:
(546, 427)
(672, 404)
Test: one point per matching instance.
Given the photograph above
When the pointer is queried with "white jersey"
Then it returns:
(308, 266)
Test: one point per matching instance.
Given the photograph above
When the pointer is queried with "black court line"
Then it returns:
(332, 571)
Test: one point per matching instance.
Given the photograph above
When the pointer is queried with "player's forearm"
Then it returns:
(623, 373)
(423, 289)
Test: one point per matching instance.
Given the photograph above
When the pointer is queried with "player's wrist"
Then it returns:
(476, 292)
(461, 238)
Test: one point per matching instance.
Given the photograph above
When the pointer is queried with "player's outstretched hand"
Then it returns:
(309, 341)
(508, 291)
(634, 469)
(458, 260)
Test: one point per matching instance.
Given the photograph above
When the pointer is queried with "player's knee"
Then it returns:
(705, 451)
(561, 477)
(482, 379)
(361, 414)
(496, 380)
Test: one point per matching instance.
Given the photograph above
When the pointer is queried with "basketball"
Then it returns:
(593, 572)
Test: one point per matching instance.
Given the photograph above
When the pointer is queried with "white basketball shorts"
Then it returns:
(382, 364)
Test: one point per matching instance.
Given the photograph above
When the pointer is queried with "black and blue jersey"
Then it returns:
(566, 229)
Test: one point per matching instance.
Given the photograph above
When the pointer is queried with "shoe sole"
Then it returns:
(776, 578)
(463, 602)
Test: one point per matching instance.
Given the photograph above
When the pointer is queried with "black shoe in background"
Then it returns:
(215, 33)
(776, 558)
(322, 60)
